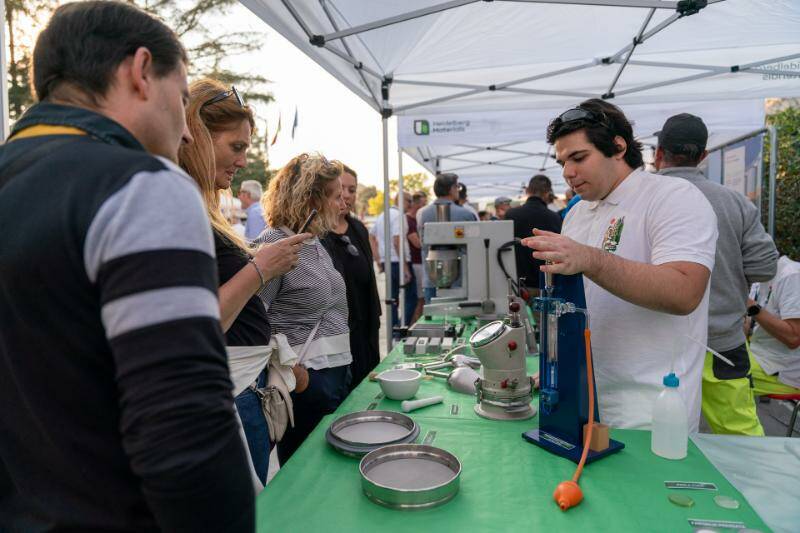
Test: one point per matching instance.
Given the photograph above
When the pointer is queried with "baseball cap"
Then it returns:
(500, 200)
(683, 133)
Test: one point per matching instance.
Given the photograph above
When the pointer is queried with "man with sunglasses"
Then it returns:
(645, 245)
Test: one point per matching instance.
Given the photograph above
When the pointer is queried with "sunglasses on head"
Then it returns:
(578, 113)
(223, 95)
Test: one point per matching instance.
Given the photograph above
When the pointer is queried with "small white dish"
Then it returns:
(399, 383)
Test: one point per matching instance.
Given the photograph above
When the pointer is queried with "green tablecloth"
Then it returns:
(506, 482)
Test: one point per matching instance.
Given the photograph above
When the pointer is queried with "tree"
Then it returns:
(20, 84)
(375, 204)
(787, 183)
(416, 182)
(364, 194)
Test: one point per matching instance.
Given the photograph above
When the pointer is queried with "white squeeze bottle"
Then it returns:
(670, 422)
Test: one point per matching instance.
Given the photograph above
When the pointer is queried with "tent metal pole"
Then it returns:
(769, 61)
(401, 252)
(417, 13)
(349, 52)
(4, 107)
(439, 84)
(546, 75)
(358, 64)
(773, 170)
(666, 83)
(546, 155)
(297, 18)
(658, 27)
(544, 92)
(636, 41)
(387, 236)
(738, 139)
(400, 109)
(653, 4)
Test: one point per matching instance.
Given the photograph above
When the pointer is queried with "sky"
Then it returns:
(331, 119)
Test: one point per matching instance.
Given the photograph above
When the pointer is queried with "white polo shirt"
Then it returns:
(781, 297)
(655, 220)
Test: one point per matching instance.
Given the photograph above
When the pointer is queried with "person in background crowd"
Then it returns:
(237, 215)
(399, 237)
(501, 206)
(533, 214)
(222, 126)
(571, 199)
(463, 201)
(775, 342)
(250, 193)
(645, 245)
(348, 245)
(745, 254)
(485, 216)
(118, 413)
(308, 304)
(418, 200)
(445, 187)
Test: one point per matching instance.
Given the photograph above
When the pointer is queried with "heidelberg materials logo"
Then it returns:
(422, 127)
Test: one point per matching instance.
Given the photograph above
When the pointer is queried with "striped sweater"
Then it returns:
(117, 408)
(312, 293)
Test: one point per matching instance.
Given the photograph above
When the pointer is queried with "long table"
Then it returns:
(506, 483)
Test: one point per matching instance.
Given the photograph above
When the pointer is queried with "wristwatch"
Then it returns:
(753, 310)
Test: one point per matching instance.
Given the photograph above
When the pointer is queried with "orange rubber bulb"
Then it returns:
(568, 494)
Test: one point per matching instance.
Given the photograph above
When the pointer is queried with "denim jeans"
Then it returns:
(430, 292)
(255, 427)
(327, 388)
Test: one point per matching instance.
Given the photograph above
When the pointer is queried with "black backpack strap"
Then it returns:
(39, 152)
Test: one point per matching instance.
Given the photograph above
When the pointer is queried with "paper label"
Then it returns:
(690, 485)
(555, 440)
(698, 522)
(428, 440)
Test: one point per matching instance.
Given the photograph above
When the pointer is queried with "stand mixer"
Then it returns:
(464, 252)
(505, 391)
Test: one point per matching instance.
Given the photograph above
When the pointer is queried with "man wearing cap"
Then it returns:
(534, 213)
(501, 205)
(745, 254)
(645, 245)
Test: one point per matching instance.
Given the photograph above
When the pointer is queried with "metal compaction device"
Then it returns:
(563, 395)
(504, 390)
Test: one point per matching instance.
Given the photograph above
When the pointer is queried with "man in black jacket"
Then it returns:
(117, 408)
(534, 213)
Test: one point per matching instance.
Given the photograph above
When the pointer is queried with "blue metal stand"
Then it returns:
(563, 399)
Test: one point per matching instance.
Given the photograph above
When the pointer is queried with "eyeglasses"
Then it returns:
(223, 95)
(351, 248)
(578, 113)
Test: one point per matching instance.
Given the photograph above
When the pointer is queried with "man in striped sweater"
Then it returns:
(117, 408)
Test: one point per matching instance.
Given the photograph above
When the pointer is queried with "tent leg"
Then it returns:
(773, 168)
(4, 107)
(401, 306)
(387, 237)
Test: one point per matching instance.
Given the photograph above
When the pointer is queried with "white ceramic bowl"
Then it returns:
(399, 384)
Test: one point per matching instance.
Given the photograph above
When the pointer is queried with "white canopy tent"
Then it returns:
(496, 152)
(420, 57)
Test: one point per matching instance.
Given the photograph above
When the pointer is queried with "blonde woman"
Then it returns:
(221, 126)
(309, 303)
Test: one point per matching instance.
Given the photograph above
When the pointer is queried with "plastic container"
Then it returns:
(670, 436)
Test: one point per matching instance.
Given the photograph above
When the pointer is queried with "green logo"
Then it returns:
(613, 234)
(422, 127)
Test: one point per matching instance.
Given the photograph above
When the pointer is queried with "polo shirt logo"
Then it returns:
(613, 234)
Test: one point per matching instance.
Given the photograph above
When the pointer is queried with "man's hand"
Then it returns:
(565, 255)
(301, 376)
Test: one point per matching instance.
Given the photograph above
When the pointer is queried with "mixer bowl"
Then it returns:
(444, 267)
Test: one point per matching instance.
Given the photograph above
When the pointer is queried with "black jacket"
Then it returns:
(117, 407)
(532, 214)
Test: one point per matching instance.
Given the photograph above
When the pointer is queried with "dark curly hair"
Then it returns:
(609, 121)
